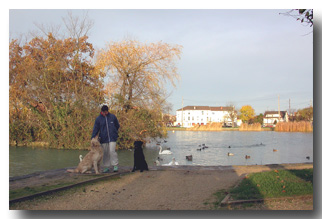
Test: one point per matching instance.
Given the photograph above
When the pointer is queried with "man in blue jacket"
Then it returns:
(107, 125)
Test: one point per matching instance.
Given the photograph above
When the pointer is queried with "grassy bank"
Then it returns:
(274, 184)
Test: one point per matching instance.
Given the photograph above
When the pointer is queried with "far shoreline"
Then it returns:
(170, 129)
(222, 129)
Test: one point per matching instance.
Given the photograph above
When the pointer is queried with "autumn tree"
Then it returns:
(54, 85)
(305, 114)
(54, 90)
(136, 77)
(257, 119)
(19, 128)
(246, 113)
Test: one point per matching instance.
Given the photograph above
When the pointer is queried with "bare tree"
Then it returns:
(232, 113)
(45, 29)
(78, 26)
(74, 26)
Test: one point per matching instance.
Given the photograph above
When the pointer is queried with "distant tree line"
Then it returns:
(305, 114)
(247, 115)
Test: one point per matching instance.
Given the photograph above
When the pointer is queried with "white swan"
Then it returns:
(172, 163)
(165, 151)
(80, 158)
(230, 154)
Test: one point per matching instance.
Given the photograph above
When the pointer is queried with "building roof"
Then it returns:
(211, 108)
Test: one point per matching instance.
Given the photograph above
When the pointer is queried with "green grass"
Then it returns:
(274, 184)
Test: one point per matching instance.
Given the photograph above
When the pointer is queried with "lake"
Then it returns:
(291, 148)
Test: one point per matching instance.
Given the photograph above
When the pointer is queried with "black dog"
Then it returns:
(139, 159)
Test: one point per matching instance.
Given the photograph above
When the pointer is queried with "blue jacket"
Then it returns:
(107, 127)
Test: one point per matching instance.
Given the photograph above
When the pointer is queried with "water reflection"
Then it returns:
(291, 148)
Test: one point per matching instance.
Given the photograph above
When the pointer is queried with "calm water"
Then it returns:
(291, 148)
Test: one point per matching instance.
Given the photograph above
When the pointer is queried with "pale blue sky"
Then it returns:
(229, 56)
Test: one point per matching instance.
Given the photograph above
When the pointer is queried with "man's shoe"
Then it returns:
(106, 170)
(115, 169)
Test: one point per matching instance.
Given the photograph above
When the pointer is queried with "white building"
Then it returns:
(189, 116)
(272, 117)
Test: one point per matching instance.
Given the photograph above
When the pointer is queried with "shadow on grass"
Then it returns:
(274, 184)
(246, 190)
(305, 174)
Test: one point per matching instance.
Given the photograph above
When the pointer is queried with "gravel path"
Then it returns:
(179, 188)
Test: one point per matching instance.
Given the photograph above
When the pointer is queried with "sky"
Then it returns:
(255, 57)
(237, 55)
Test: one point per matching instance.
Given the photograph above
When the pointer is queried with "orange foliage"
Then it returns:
(54, 91)
(137, 72)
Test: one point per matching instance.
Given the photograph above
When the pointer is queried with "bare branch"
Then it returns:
(78, 26)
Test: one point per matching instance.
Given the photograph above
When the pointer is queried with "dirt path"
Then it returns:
(179, 188)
